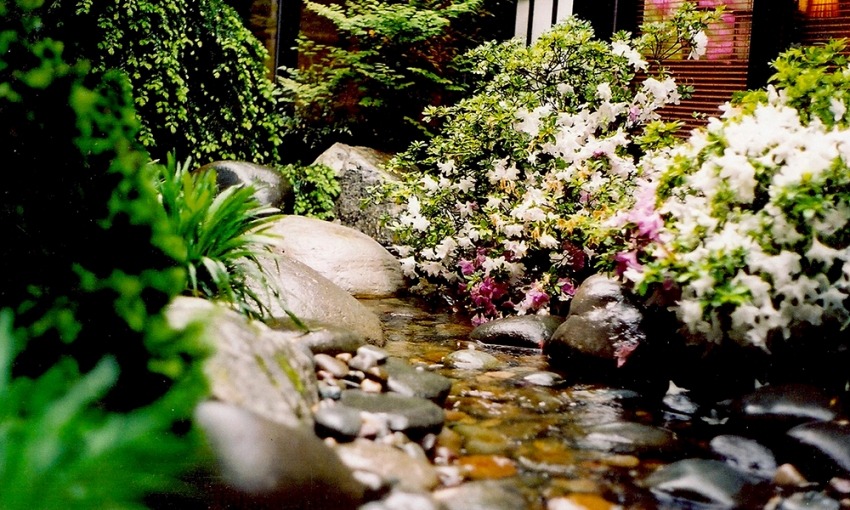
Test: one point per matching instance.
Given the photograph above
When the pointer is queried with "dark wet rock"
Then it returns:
(472, 359)
(700, 481)
(530, 331)
(330, 365)
(254, 367)
(328, 340)
(338, 421)
(809, 501)
(630, 438)
(358, 170)
(268, 465)
(368, 356)
(783, 406)
(404, 500)
(482, 495)
(271, 189)
(745, 454)
(347, 257)
(412, 415)
(545, 379)
(406, 468)
(416, 382)
(680, 404)
(295, 287)
(822, 448)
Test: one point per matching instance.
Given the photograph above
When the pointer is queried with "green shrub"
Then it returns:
(393, 59)
(316, 189)
(93, 378)
(224, 232)
(200, 85)
(510, 204)
(755, 211)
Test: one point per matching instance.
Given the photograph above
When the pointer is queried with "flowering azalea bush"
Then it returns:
(506, 208)
(749, 218)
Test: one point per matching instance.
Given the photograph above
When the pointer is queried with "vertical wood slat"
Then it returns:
(533, 17)
(818, 29)
(716, 75)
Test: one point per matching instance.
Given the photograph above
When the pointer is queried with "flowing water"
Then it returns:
(519, 419)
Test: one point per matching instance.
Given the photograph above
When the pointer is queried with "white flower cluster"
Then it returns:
(758, 225)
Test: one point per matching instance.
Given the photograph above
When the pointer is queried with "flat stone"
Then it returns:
(629, 438)
(312, 298)
(412, 415)
(482, 495)
(700, 481)
(347, 257)
(784, 405)
(338, 421)
(322, 339)
(407, 469)
(745, 454)
(530, 331)
(472, 359)
(823, 448)
(413, 382)
(273, 465)
(545, 379)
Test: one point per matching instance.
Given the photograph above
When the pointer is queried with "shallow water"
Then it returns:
(500, 425)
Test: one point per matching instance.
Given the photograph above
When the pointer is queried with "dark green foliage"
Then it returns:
(200, 84)
(393, 59)
(223, 232)
(99, 382)
(316, 188)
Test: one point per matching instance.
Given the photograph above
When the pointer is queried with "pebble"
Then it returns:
(809, 501)
(483, 440)
(330, 365)
(368, 356)
(472, 359)
(396, 467)
(545, 379)
(745, 454)
(580, 502)
(788, 475)
(487, 467)
(403, 500)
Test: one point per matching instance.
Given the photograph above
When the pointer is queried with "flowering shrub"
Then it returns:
(506, 208)
(755, 209)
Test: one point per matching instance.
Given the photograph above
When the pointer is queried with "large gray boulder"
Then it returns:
(343, 255)
(259, 369)
(297, 288)
(603, 323)
(264, 464)
(359, 169)
(271, 189)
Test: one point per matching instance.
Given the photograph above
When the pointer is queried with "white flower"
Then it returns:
(408, 267)
(519, 248)
(429, 183)
(822, 253)
(624, 50)
(466, 184)
(565, 88)
(494, 202)
(782, 268)
(700, 43)
(690, 312)
(834, 219)
(466, 209)
(603, 91)
(433, 268)
(837, 108)
(547, 241)
(446, 167)
(445, 248)
(513, 230)
(420, 223)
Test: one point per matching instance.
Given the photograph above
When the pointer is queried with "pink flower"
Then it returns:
(467, 267)
(567, 286)
(626, 260)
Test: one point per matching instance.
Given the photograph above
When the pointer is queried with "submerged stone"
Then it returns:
(784, 405)
(472, 359)
(823, 448)
(530, 331)
(700, 481)
(745, 454)
(408, 469)
(482, 495)
(630, 438)
(809, 501)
